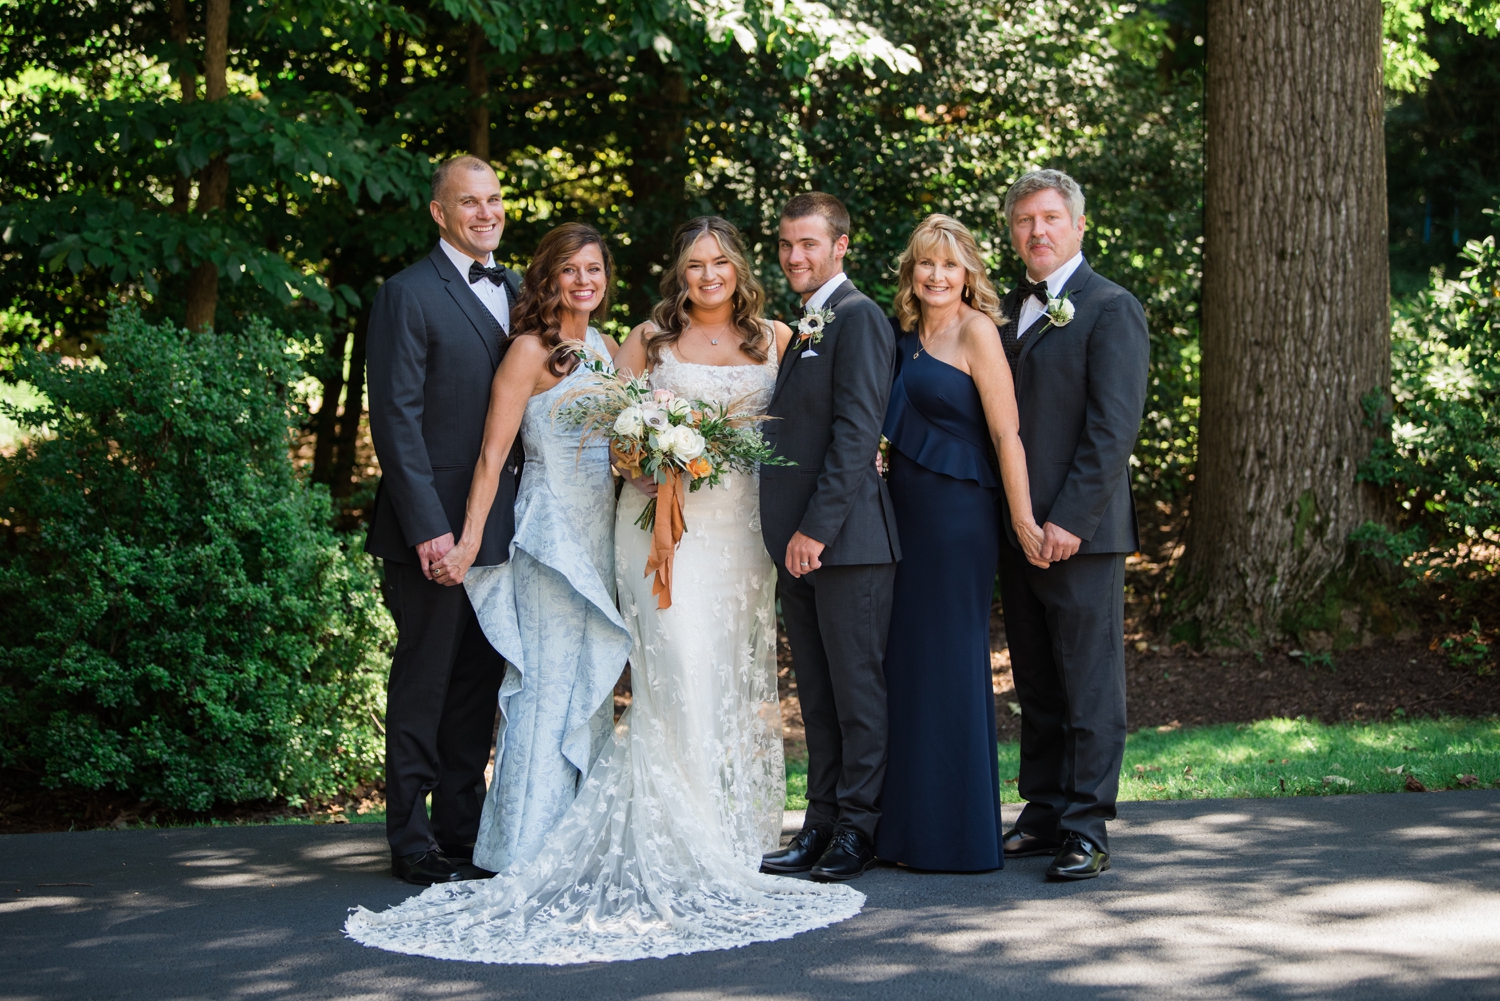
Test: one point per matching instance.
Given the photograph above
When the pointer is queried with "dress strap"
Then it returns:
(771, 348)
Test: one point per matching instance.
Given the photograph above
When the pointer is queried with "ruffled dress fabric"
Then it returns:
(659, 854)
(550, 611)
(940, 806)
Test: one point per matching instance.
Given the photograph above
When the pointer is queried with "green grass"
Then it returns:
(1280, 757)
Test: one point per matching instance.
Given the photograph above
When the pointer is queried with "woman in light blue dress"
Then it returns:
(550, 610)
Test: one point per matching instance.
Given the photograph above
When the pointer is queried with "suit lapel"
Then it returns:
(837, 297)
(1040, 328)
(485, 324)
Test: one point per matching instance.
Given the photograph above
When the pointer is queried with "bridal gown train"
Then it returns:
(659, 854)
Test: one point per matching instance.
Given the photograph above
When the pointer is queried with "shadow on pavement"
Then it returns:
(1344, 897)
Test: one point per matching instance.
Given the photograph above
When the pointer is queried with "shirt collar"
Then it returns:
(1058, 279)
(461, 260)
(824, 292)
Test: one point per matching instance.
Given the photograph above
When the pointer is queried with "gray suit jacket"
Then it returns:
(433, 351)
(829, 405)
(1081, 390)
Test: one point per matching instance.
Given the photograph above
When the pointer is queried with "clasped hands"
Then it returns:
(1046, 545)
(443, 561)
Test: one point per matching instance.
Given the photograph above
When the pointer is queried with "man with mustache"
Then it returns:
(1078, 350)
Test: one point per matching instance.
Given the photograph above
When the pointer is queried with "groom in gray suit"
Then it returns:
(1080, 375)
(435, 332)
(829, 525)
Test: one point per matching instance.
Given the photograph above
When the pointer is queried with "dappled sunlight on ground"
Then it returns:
(1349, 897)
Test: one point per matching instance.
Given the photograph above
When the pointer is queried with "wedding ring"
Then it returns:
(805, 563)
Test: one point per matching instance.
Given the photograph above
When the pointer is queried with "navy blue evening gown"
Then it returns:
(941, 804)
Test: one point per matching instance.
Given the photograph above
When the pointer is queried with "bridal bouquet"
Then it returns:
(682, 444)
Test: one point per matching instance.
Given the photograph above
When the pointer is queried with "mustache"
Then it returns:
(1039, 241)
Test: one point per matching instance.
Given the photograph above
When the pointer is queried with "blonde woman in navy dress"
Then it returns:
(952, 400)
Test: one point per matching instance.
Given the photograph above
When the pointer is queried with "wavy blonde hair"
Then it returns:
(941, 234)
(672, 314)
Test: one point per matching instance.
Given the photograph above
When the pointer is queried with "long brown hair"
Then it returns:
(672, 314)
(943, 232)
(536, 312)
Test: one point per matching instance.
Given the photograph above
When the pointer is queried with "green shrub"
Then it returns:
(1442, 457)
(177, 617)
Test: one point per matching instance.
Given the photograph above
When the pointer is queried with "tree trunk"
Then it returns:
(1296, 323)
(657, 176)
(479, 92)
(325, 424)
(354, 410)
(182, 184)
(213, 183)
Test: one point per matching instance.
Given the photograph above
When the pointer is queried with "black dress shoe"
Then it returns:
(1018, 844)
(1079, 858)
(808, 845)
(454, 852)
(424, 868)
(847, 857)
(468, 870)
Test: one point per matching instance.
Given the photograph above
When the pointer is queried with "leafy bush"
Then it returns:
(177, 618)
(1442, 458)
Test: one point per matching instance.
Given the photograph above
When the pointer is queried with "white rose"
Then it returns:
(1060, 312)
(686, 443)
(655, 419)
(678, 407)
(631, 423)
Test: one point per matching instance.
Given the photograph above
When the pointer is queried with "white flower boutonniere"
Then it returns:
(812, 324)
(1059, 311)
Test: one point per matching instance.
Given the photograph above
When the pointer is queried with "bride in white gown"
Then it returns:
(659, 854)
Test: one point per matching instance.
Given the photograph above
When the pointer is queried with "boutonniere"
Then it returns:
(1059, 311)
(810, 327)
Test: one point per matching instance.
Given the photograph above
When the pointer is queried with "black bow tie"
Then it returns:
(1026, 288)
(478, 271)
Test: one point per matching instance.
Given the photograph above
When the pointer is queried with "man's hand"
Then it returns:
(802, 555)
(1058, 543)
(432, 550)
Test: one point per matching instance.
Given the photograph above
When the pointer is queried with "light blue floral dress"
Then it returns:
(551, 613)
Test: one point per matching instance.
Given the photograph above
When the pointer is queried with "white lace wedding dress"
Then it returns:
(660, 852)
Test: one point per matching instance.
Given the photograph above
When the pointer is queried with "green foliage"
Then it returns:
(176, 617)
(1442, 455)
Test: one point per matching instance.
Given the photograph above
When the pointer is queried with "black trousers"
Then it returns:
(837, 619)
(1066, 628)
(441, 703)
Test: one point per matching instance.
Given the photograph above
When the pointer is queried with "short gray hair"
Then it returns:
(447, 167)
(1042, 180)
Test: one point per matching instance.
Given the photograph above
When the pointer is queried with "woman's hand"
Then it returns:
(1030, 534)
(450, 570)
(645, 484)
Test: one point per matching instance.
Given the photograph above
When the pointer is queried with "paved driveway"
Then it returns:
(1355, 897)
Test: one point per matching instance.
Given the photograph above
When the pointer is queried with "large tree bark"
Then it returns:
(1296, 325)
(187, 78)
(213, 182)
(479, 92)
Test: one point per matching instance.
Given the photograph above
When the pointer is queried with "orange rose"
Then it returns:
(700, 467)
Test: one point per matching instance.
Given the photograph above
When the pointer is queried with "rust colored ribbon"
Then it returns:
(665, 536)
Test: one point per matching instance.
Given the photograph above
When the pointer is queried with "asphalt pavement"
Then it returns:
(1340, 897)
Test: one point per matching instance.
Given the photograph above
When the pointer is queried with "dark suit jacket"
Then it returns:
(433, 351)
(1081, 390)
(829, 407)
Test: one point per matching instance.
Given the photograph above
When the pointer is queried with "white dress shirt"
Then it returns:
(493, 296)
(818, 298)
(1031, 310)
